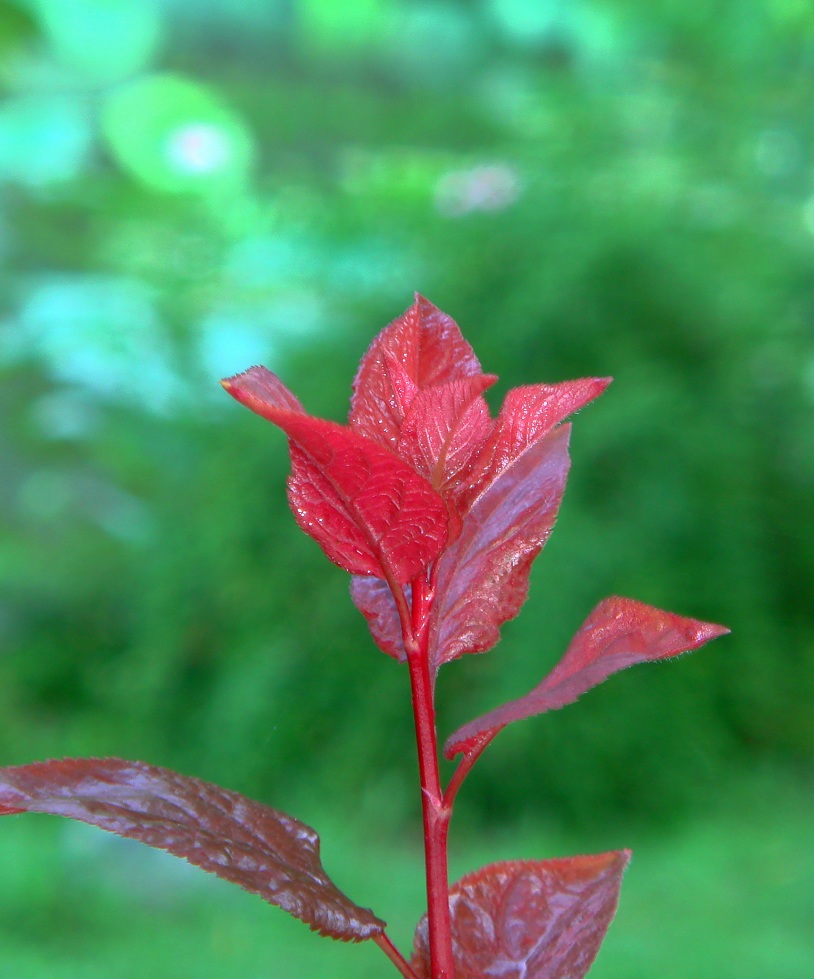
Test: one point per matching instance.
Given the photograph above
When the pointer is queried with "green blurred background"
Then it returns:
(621, 187)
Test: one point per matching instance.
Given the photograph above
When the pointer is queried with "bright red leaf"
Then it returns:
(483, 577)
(530, 919)
(370, 512)
(261, 849)
(421, 348)
(444, 429)
(263, 392)
(620, 632)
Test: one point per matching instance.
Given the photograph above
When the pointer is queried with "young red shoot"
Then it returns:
(437, 511)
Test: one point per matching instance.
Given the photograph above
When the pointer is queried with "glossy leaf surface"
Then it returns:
(483, 577)
(422, 347)
(370, 512)
(260, 849)
(530, 919)
(620, 632)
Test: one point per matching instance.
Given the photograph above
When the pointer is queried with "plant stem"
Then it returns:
(435, 814)
(394, 955)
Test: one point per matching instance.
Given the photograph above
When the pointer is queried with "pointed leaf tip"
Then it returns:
(369, 511)
(420, 348)
(262, 850)
(262, 392)
(528, 414)
(620, 632)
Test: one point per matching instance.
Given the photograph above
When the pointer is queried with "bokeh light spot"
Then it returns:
(44, 139)
(105, 40)
(344, 27)
(199, 148)
(483, 188)
(102, 334)
(526, 21)
(177, 135)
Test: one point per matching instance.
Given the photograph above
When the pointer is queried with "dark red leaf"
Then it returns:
(262, 850)
(483, 577)
(422, 347)
(618, 633)
(444, 428)
(375, 601)
(370, 512)
(530, 919)
(528, 414)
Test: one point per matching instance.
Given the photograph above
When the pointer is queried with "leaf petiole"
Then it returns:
(465, 766)
(395, 956)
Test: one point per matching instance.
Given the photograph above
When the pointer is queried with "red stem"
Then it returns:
(435, 813)
(394, 955)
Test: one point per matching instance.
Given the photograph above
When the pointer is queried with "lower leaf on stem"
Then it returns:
(530, 919)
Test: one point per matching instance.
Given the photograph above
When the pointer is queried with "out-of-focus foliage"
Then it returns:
(590, 188)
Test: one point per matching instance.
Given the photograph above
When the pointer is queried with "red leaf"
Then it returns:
(375, 601)
(528, 414)
(262, 850)
(483, 577)
(262, 392)
(422, 347)
(531, 919)
(370, 512)
(620, 632)
(444, 428)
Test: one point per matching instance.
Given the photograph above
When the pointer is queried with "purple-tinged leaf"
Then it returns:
(482, 578)
(262, 850)
(421, 348)
(375, 601)
(620, 632)
(530, 919)
(444, 429)
(370, 512)
(528, 414)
